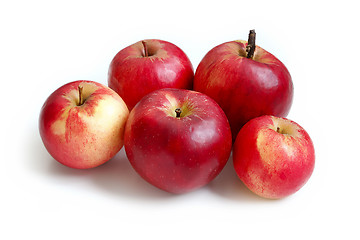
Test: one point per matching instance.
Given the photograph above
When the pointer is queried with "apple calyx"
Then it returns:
(178, 112)
(250, 48)
(81, 100)
(146, 53)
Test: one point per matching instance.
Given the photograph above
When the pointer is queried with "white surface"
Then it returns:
(45, 45)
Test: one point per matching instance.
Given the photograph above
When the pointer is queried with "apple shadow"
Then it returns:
(42, 163)
(116, 177)
(228, 185)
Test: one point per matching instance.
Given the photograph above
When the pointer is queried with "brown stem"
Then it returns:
(278, 129)
(80, 88)
(146, 54)
(250, 48)
(178, 112)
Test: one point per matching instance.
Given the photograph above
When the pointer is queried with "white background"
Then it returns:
(45, 44)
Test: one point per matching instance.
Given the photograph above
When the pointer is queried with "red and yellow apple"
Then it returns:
(178, 140)
(273, 156)
(82, 124)
(246, 81)
(146, 66)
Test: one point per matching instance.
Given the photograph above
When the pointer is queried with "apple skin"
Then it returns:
(133, 75)
(182, 154)
(271, 162)
(244, 88)
(84, 136)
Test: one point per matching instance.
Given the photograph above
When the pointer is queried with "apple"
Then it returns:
(177, 140)
(146, 66)
(82, 124)
(245, 80)
(273, 156)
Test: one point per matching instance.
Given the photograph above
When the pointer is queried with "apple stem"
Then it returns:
(250, 48)
(80, 88)
(178, 112)
(278, 129)
(146, 54)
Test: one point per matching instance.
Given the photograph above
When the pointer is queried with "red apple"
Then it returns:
(82, 124)
(177, 140)
(274, 157)
(245, 85)
(146, 66)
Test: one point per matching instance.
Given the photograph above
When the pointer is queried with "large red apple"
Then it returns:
(273, 156)
(82, 124)
(146, 66)
(246, 81)
(178, 140)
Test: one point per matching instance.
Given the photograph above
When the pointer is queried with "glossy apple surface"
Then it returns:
(82, 124)
(274, 157)
(245, 88)
(177, 140)
(146, 66)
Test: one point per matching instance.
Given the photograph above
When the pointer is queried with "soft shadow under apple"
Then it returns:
(117, 177)
(42, 163)
(228, 185)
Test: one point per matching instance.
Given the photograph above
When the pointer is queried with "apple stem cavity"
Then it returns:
(80, 88)
(178, 112)
(250, 48)
(146, 53)
(278, 129)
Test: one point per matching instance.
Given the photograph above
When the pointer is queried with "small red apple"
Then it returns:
(274, 157)
(146, 66)
(82, 124)
(177, 140)
(246, 81)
